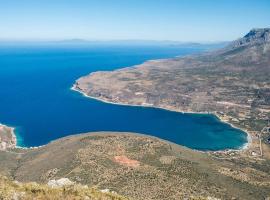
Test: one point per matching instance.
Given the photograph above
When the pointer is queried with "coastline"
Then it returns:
(244, 147)
(14, 141)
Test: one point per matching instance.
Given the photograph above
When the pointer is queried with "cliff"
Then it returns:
(7, 138)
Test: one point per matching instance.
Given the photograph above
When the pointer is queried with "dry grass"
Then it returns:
(25, 191)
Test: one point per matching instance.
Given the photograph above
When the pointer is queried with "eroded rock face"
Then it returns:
(124, 160)
(259, 34)
(7, 138)
(255, 36)
(60, 182)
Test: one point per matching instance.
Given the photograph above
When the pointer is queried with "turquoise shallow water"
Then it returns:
(36, 98)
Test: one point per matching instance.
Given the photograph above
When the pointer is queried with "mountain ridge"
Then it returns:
(254, 37)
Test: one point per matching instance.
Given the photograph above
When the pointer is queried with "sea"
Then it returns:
(36, 97)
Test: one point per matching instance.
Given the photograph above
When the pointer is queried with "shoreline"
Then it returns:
(244, 147)
(14, 139)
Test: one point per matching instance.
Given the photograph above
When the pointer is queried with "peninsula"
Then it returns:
(233, 83)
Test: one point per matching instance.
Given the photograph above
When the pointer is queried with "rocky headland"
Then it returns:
(7, 137)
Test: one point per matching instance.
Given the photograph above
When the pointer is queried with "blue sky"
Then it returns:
(181, 20)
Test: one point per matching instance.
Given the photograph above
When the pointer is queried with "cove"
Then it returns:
(35, 82)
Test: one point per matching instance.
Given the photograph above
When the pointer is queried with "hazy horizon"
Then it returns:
(159, 20)
(80, 40)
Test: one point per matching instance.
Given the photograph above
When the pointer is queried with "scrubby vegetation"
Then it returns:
(137, 167)
(26, 191)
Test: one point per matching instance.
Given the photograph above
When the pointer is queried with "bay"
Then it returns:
(35, 82)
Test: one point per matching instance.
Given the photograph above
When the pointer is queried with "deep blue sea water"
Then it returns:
(35, 97)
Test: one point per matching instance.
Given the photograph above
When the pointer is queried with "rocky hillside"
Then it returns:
(139, 167)
(254, 37)
(7, 137)
(14, 190)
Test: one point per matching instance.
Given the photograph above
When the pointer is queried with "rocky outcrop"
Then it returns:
(14, 190)
(60, 182)
(254, 37)
(7, 138)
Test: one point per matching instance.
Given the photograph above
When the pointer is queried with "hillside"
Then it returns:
(232, 83)
(139, 167)
(14, 190)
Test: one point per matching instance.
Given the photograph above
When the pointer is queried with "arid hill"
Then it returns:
(14, 190)
(139, 167)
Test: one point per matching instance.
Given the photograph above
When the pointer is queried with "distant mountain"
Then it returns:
(154, 43)
(254, 37)
(72, 41)
(141, 42)
(251, 50)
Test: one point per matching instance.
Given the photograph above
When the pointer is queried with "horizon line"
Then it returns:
(80, 40)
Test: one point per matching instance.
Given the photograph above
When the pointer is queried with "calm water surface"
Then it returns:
(35, 97)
